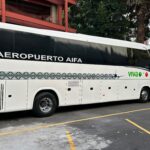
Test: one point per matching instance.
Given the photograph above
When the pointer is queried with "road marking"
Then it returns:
(70, 140)
(49, 125)
(138, 126)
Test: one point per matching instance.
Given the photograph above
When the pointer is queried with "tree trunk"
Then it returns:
(141, 24)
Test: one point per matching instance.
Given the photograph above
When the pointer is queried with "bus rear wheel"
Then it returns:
(44, 105)
(145, 95)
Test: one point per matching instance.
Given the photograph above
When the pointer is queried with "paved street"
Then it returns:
(111, 126)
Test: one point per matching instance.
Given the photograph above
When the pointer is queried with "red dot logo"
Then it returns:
(146, 74)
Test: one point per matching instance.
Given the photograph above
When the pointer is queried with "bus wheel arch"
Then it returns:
(145, 94)
(45, 103)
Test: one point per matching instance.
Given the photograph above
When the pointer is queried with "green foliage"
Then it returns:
(104, 18)
(140, 13)
(111, 18)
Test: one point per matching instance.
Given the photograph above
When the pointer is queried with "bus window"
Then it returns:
(70, 50)
(6, 39)
(117, 56)
(131, 57)
(96, 54)
(33, 43)
(140, 58)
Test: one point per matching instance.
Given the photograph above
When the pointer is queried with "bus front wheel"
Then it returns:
(44, 105)
(145, 95)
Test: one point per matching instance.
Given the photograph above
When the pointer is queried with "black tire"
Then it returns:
(45, 104)
(144, 95)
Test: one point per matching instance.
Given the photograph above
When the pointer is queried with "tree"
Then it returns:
(112, 18)
(100, 17)
(139, 11)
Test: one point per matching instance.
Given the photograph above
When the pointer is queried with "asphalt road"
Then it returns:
(111, 126)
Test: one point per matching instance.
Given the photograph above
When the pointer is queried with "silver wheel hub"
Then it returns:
(144, 95)
(46, 105)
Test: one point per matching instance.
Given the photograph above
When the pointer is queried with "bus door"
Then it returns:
(16, 95)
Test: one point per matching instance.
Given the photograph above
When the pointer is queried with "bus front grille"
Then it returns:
(1, 96)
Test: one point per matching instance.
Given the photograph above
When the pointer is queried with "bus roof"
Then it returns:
(75, 36)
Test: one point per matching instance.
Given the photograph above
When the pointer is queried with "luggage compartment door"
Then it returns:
(16, 95)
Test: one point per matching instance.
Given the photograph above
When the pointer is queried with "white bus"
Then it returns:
(41, 70)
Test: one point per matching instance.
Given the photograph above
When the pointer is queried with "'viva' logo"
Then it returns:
(135, 74)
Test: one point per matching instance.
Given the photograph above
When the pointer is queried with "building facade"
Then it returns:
(47, 14)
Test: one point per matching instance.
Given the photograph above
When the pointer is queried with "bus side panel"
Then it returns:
(109, 90)
(98, 91)
(132, 80)
(91, 91)
(128, 90)
(74, 92)
(16, 95)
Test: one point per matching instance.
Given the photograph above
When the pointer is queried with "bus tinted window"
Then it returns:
(117, 56)
(6, 39)
(32, 43)
(107, 55)
(139, 58)
(70, 49)
(96, 54)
